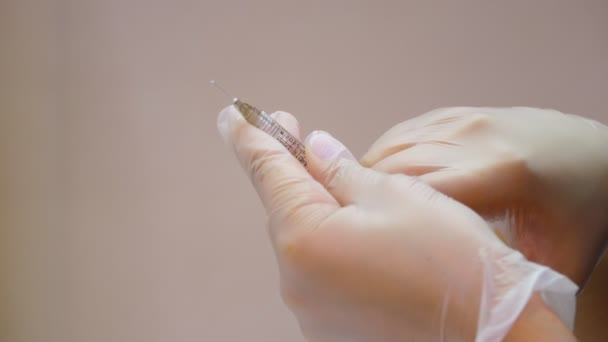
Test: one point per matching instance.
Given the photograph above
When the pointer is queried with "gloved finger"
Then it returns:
(422, 158)
(334, 166)
(289, 122)
(464, 173)
(433, 125)
(330, 162)
(286, 189)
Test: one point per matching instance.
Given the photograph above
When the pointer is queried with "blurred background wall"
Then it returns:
(123, 215)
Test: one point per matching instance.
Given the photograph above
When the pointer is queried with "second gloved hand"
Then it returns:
(540, 175)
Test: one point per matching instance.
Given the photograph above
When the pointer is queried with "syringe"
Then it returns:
(264, 122)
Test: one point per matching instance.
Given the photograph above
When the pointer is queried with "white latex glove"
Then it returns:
(366, 256)
(541, 175)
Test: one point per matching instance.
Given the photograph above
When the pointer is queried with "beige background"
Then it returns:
(125, 218)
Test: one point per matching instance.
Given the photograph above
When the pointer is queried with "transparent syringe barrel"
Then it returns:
(264, 122)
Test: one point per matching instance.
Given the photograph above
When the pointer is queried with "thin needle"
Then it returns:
(218, 86)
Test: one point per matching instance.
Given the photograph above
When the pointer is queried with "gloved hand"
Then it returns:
(540, 175)
(367, 256)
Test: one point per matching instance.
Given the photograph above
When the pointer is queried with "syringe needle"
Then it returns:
(218, 86)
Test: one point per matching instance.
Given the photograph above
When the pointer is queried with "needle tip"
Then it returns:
(217, 85)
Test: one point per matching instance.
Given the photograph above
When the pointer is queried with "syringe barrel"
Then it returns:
(264, 122)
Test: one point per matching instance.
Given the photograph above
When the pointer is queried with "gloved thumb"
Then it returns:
(335, 167)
